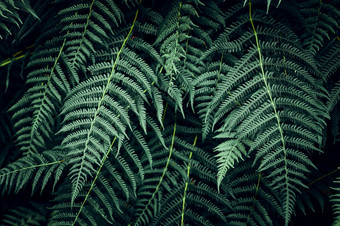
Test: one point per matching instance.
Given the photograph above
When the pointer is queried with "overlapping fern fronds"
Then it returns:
(263, 98)
(10, 15)
(192, 112)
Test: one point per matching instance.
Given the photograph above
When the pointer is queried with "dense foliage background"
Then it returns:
(169, 112)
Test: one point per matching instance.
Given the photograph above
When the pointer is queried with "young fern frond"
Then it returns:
(180, 43)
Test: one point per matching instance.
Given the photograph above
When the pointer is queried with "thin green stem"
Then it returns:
(187, 183)
(83, 35)
(94, 181)
(31, 167)
(324, 176)
(255, 198)
(100, 102)
(163, 174)
(276, 116)
(219, 69)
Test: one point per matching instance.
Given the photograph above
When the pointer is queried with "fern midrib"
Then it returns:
(186, 184)
(163, 174)
(31, 167)
(93, 182)
(100, 103)
(83, 35)
(35, 123)
(277, 119)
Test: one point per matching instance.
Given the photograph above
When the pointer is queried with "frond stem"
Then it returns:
(276, 116)
(163, 174)
(187, 182)
(255, 197)
(31, 167)
(94, 181)
(323, 176)
(83, 35)
(100, 103)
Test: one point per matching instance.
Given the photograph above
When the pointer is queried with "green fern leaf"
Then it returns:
(266, 106)
(335, 199)
(36, 168)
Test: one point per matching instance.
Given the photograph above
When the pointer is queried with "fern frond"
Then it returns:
(143, 213)
(229, 152)
(253, 201)
(184, 196)
(106, 97)
(36, 168)
(205, 87)
(329, 63)
(321, 23)
(34, 113)
(99, 207)
(335, 199)
(9, 15)
(87, 27)
(257, 100)
(180, 43)
(50, 65)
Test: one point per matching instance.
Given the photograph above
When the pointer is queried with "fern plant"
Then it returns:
(191, 112)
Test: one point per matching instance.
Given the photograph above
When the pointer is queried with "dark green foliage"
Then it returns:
(335, 201)
(174, 113)
(10, 15)
(33, 213)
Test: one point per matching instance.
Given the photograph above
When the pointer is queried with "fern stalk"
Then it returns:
(323, 176)
(78, 179)
(163, 174)
(255, 198)
(287, 214)
(35, 124)
(32, 167)
(93, 182)
(83, 35)
(186, 184)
